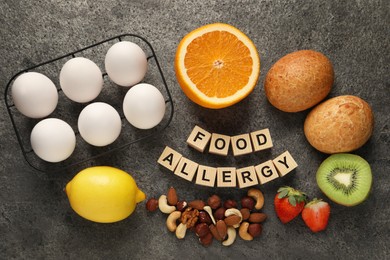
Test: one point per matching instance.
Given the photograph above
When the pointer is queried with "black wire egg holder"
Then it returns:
(94, 153)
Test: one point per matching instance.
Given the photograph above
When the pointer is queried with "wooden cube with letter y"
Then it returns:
(284, 163)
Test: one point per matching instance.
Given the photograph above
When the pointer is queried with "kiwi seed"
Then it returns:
(345, 178)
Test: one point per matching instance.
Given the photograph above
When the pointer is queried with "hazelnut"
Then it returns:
(219, 213)
(202, 229)
(245, 212)
(228, 204)
(152, 205)
(255, 229)
(248, 202)
(206, 240)
(214, 201)
(204, 217)
(181, 205)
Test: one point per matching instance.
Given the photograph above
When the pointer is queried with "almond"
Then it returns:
(232, 220)
(214, 232)
(257, 217)
(221, 229)
(197, 204)
(172, 196)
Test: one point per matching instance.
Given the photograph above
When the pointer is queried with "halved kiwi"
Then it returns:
(345, 178)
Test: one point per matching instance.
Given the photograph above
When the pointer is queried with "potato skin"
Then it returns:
(340, 124)
(299, 80)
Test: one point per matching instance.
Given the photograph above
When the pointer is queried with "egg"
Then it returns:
(99, 124)
(81, 80)
(34, 95)
(144, 106)
(126, 63)
(340, 124)
(299, 80)
(53, 140)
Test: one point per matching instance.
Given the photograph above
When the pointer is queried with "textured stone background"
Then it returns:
(36, 220)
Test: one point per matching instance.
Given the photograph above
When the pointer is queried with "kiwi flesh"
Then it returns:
(345, 178)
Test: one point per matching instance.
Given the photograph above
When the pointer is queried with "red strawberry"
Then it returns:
(316, 215)
(289, 203)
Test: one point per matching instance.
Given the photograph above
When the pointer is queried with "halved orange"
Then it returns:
(217, 65)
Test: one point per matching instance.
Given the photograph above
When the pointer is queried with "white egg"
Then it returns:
(81, 80)
(99, 124)
(144, 106)
(53, 140)
(34, 95)
(126, 63)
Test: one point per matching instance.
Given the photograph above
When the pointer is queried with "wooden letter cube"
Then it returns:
(246, 177)
(206, 176)
(261, 140)
(226, 177)
(284, 163)
(169, 158)
(241, 144)
(219, 144)
(198, 139)
(266, 172)
(186, 169)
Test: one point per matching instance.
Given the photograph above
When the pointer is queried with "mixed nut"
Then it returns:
(214, 218)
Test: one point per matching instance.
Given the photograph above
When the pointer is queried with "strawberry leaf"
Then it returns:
(283, 193)
(292, 200)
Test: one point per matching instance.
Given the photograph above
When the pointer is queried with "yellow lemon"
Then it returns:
(103, 194)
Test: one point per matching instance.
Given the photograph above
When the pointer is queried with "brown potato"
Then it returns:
(299, 80)
(340, 124)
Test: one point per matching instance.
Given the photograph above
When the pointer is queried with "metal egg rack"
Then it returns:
(68, 110)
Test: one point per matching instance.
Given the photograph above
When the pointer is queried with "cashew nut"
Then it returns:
(231, 233)
(210, 212)
(163, 205)
(243, 231)
(258, 196)
(171, 220)
(234, 211)
(181, 231)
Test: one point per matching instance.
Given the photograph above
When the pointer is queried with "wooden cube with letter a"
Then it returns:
(246, 177)
(226, 177)
(169, 158)
(284, 163)
(198, 139)
(266, 172)
(206, 175)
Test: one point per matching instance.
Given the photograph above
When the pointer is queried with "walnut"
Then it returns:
(189, 217)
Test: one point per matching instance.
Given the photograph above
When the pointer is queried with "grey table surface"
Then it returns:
(36, 221)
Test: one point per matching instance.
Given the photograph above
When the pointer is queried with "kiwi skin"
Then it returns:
(345, 167)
